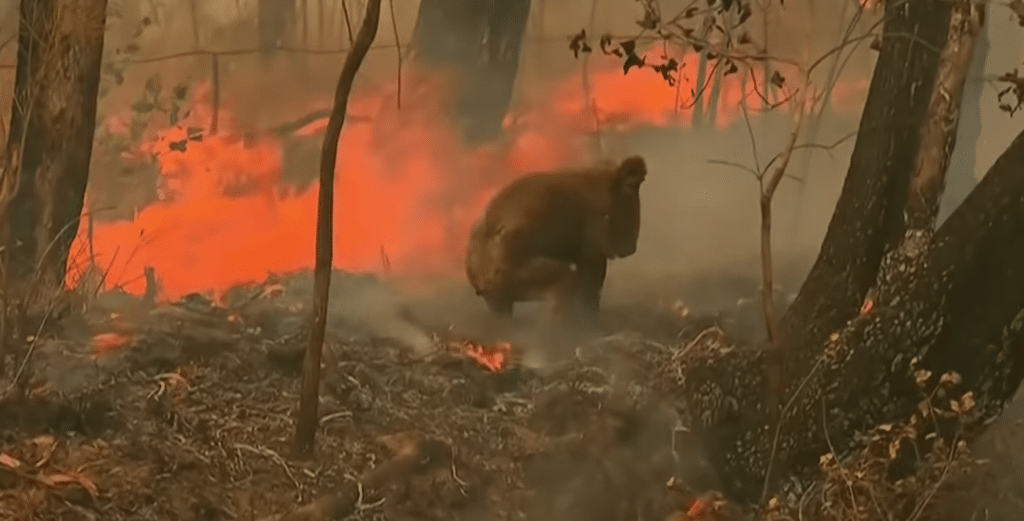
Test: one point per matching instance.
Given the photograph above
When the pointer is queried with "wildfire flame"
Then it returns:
(404, 185)
(492, 358)
(105, 344)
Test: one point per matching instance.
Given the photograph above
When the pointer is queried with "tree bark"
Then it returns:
(309, 400)
(273, 19)
(450, 33)
(53, 118)
(485, 108)
(477, 44)
(885, 296)
(699, 112)
(960, 180)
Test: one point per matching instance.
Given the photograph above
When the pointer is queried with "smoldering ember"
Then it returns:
(228, 293)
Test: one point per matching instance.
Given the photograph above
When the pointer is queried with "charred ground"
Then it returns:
(191, 418)
(185, 411)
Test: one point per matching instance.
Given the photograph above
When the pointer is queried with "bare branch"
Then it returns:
(307, 419)
(398, 50)
(751, 171)
(819, 146)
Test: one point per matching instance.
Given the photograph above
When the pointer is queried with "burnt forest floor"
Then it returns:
(185, 412)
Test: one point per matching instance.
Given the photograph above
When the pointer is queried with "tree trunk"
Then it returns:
(885, 296)
(477, 43)
(309, 400)
(699, 112)
(714, 95)
(961, 178)
(486, 107)
(53, 118)
(273, 19)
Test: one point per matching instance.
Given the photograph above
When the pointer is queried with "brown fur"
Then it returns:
(551, 235)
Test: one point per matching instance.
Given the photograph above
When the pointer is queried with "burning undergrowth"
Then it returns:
(185, 411)
(136, 410)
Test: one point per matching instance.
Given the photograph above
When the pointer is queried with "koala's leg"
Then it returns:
(590, 274)
(565, 295)
(540, 276)
(500, 304)
(500, 260)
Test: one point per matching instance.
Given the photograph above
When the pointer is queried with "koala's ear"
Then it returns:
(632, 171)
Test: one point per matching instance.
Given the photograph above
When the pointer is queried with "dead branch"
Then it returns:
(398, 51)
(589, 102)
(194, 13)
(939, 134)
(348, 22)
(215, 95)
(307, 421)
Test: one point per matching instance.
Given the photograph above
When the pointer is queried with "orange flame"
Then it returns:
(492, 358)
(105, 344)
(404, 184)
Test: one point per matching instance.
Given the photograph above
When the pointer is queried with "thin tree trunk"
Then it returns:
(713, 97)
(699, 101)
(309, 401)
(53, 118)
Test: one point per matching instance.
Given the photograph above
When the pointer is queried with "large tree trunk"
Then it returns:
(53, 117)
(884, 291)
(477, 43)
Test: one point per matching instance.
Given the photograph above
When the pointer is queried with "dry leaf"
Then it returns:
(950, 379)
(921, 376)
(402, 444)
(272, 290)
(57, 480)
(9, 461)
(963, 405)
(106, 343)
(45, 445)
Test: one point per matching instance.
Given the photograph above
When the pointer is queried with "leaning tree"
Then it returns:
(893, 301)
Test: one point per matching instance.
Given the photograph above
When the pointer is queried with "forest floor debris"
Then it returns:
(185, 412)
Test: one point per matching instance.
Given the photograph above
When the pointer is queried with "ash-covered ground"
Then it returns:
(185, 411)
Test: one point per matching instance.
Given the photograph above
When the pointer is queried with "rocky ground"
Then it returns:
(185, 411)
